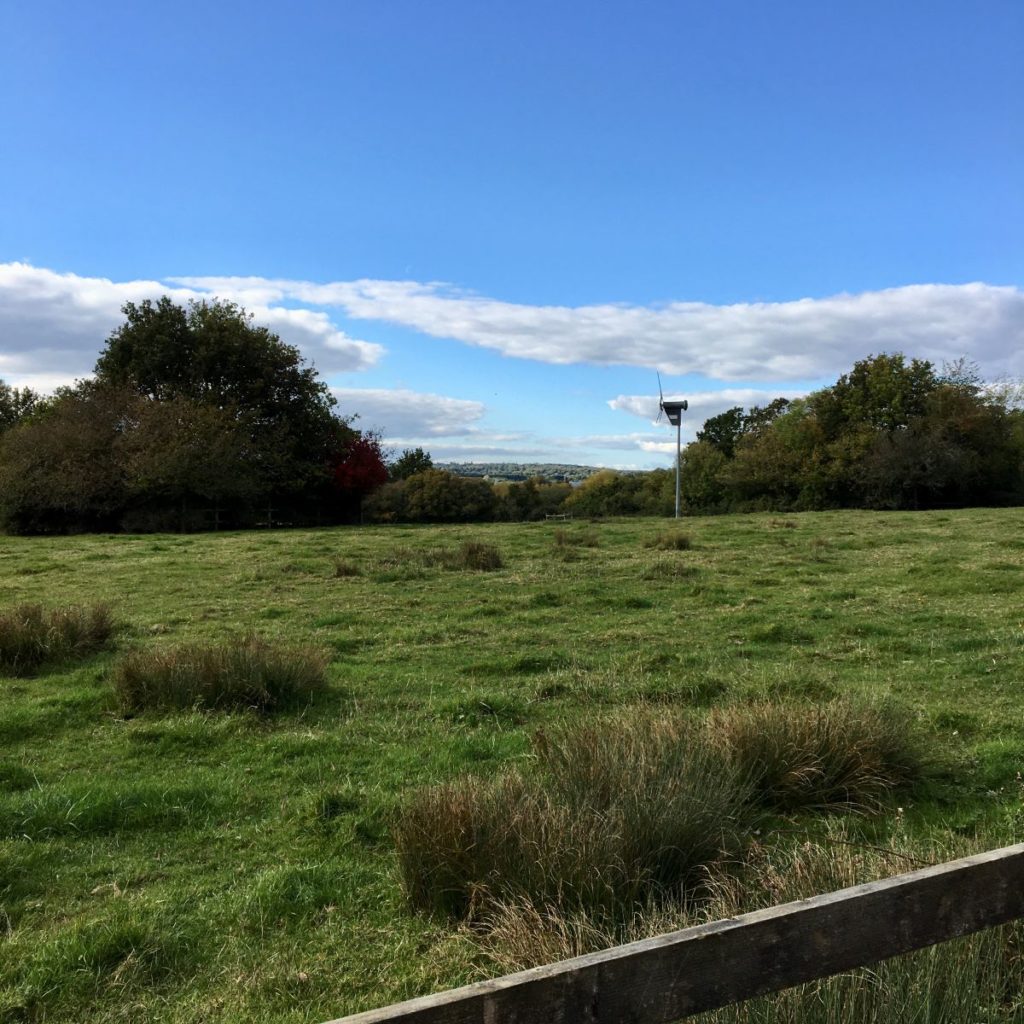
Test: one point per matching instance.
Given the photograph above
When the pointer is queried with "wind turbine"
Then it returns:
(674, 412)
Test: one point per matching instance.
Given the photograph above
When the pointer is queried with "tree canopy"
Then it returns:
(193, 412)
(890, 433)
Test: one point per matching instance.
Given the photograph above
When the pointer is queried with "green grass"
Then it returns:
(184, 865)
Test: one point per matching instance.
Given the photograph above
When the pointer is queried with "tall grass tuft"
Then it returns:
(616, 816)
(834, 755)
(563, 538)
(344, 569)
(471, 554)
(670, 540)
(607, 815)
(978, 978)
(31, 635)
(248, 673)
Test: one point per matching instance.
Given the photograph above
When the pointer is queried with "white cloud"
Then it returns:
(52, 326)
(409, 414)
(702, 404)
(642, 442)
(798, 340)
(490, 453)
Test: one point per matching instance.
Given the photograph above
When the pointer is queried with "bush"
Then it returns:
(609, 815)
(250, 673)
(827, 756)
(31, 635)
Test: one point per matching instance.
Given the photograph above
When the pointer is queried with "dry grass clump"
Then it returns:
(671, 540)
(608, 815)
(31, 635)
(834, 755)
(563, 538)
(959, 982)
(471, 554)
(344, 569)
(621, 815)
(247, 673)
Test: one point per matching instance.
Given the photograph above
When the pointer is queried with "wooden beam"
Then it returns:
(686, 972)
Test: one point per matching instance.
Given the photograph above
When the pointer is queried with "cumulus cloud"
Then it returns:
(52, 326)
(702, 404)
(402, 414)
(803, 339)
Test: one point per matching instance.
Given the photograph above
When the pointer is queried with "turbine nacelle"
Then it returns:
(672, 409)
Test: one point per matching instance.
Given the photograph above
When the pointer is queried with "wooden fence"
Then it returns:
(711, 965)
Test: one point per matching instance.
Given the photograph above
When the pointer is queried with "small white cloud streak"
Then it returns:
(401, 413)
(53, 326)
(797, 340)
(702, 404)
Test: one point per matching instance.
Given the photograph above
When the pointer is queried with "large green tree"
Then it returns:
(212, 354)
(59, 471)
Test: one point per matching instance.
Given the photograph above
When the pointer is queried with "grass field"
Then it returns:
(237, 866)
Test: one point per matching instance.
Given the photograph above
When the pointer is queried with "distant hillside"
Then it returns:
(521, 470)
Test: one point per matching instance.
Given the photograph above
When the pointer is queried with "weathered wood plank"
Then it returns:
(686, 972)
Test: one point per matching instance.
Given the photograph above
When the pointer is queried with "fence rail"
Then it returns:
(673, 976)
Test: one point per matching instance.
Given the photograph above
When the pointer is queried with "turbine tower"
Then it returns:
(674, 412)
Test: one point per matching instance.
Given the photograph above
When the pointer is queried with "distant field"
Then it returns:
(232, 867)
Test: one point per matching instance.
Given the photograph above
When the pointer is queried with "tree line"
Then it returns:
(196, 418)
(890, 434)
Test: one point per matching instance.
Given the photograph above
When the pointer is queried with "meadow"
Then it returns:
(177, 864)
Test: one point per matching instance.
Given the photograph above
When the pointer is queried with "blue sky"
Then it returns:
(489, 223)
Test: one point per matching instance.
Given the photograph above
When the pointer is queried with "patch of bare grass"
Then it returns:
(31, 635)
(248, 673)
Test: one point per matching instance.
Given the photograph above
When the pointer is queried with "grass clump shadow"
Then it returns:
(246, 674)
(31, 635)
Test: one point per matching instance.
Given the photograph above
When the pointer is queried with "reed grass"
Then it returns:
(250, 673)
(31, 635)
